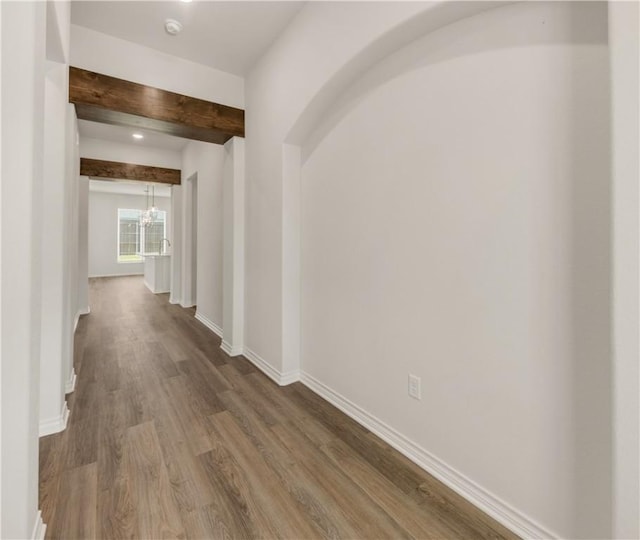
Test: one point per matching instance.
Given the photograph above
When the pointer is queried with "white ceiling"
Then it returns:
(230, 36)
(119, 134)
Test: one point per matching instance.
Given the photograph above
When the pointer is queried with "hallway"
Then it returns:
(170, 438)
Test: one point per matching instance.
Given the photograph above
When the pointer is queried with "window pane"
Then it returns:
(154, 233)
(128, 235)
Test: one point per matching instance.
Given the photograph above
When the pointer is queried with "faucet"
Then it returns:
(162, 244)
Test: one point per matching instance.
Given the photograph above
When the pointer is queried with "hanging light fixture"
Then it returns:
(153, 211)
(145, 217)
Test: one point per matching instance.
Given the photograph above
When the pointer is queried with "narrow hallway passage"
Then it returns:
(170, 438)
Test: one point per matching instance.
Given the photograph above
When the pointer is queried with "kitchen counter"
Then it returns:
(157, 272)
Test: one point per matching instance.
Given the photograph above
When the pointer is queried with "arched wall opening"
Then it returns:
(452, 215)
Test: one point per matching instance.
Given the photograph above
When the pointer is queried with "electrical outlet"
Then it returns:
(414, 386)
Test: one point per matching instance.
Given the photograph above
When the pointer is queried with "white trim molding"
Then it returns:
(231, 351)
(79, 313)
(57, 424)
(499, 510)
(39, 527)
(119, 275)
(282, 379)
(209, 324)
(70, 386)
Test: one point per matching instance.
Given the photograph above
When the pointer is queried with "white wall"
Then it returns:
(129, 153)
(454, 225)
(624, 36)
(76, 225)
(233, 247)
(323, 49)
(175, 295)
(55, 251)
(206, 161)
(22, 35)
(82, 303)
(103, 231)
(126, 60)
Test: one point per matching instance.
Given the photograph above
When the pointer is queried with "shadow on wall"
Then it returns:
(590, 281)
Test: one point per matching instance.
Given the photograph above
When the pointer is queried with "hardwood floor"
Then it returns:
(170, 438)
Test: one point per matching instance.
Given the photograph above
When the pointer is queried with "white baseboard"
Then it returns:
(117, 275)
(174, 300)
(70, 386)
(155, 291)
(282, 379)
(231, 351)
(39, 528)
(57, 424)
(81, 311)
(289, 377)
(511, 518)
(209, 324)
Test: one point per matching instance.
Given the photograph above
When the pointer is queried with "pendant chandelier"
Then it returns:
(151, 213)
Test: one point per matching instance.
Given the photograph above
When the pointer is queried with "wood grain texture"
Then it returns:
(117, 170)
(171, 438)
(101, 98)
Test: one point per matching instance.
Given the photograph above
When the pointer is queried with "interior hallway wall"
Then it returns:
(359, 189)
(22, 48)
(624, 50)
(205, 160)
(455, 226)
(56, 215)
(324, 46)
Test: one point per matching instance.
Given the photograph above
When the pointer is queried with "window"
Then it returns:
(134, 239)
(129, 246)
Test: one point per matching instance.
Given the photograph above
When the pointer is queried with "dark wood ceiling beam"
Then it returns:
(101, 98)
(115, 170)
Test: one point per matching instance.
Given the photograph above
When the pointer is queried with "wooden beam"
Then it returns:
(115, 170)
(101, 98)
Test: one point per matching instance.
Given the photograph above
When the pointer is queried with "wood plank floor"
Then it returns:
(170, 438)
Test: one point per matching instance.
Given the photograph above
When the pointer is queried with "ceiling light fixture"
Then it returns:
(186, 1)
(138, 136)
(172, 27)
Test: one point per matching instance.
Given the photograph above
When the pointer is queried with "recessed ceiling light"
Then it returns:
(172, 26)
(138, 136)
(186, 1)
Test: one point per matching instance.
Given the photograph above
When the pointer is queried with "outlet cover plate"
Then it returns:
(414, 386)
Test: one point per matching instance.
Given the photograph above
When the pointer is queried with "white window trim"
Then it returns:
(140, 258)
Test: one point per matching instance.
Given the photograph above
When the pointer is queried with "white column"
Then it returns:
(53, 409)
(175, 237)
(290, 263)
(189, 238)
(83, 244)
(22, 47)
(624, 46)
(233, 248)
(70, 271)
